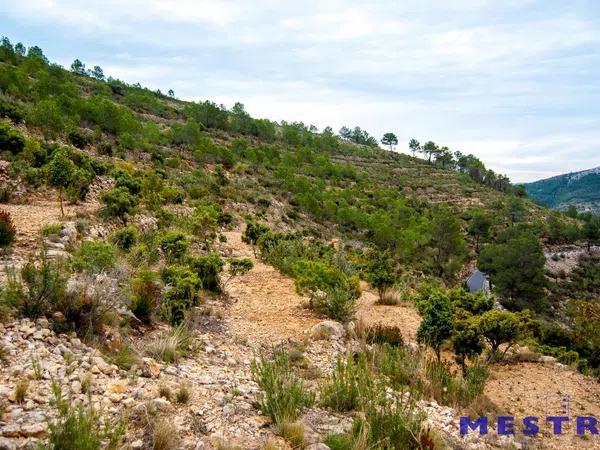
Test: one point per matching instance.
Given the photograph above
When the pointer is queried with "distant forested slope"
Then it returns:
(581, 189)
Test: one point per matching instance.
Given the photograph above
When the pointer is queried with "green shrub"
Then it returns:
(182, 293)
(40, 288)
(237, 267)
(253, 233)
(340, 442)
(94, 257)
(79, 185)
(81, 427)
(125, 238)
(282, 393)
(329, 290)
(11, 139)
(7, 229)
(208, 268)
(11, 110)
(173, 195)
(337, 303)
(385, 334)
(124, 179)
(174, 245)
(52, 229)
(105, 148)
(349, 386)
(80, 138)
(118, 202)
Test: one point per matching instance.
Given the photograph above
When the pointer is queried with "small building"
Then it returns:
(479, 282)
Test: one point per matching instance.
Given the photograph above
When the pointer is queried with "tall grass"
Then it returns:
(400, 366)
(81, 427)
(283, 394)
(448, 389)
(349, 386)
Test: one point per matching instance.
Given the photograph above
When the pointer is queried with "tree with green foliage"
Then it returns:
(118, 202)
(78, 67)
(59, 173)
(516, 267)
(389, 139)
(467, 341)
(499, 327)
(430, 149)
(515, 210)
(447, 241)
(472, 302)
(479, 227)
(204, 224)
(98, 73)
(381, 272)
(414, 146)
(437, 321)
(253, 232)
(591, 231)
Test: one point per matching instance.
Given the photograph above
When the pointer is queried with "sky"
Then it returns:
(515, 82)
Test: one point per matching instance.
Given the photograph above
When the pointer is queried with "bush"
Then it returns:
(349, 386)
(81, 427)
(125, 238)
(146, 295)
(174, 245)
(337, 303)
(80, 138)
(182, 294)
(11, 110)
(208, 269)
(11, 139)
(52, 229)
(283, 394)
(94, 257)
(39, 289)
(118, 202)
(329, 290)
(171, 347)
(105, 148)
(400, 366)
(7, 229)
(385, 334)
(393, 424)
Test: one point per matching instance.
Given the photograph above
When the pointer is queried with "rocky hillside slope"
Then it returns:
(580, 189)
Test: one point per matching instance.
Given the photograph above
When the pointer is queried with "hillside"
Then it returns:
(183, 275)
(579, 189)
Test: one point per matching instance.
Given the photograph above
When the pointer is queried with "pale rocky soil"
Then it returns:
(263, 310)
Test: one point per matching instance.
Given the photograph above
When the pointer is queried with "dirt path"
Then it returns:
(267, 308)
(31, 217)
(536, 389)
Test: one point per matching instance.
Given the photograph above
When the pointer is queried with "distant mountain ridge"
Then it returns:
(581, 189)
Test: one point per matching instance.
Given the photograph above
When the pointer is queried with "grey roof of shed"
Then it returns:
(477, 281)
